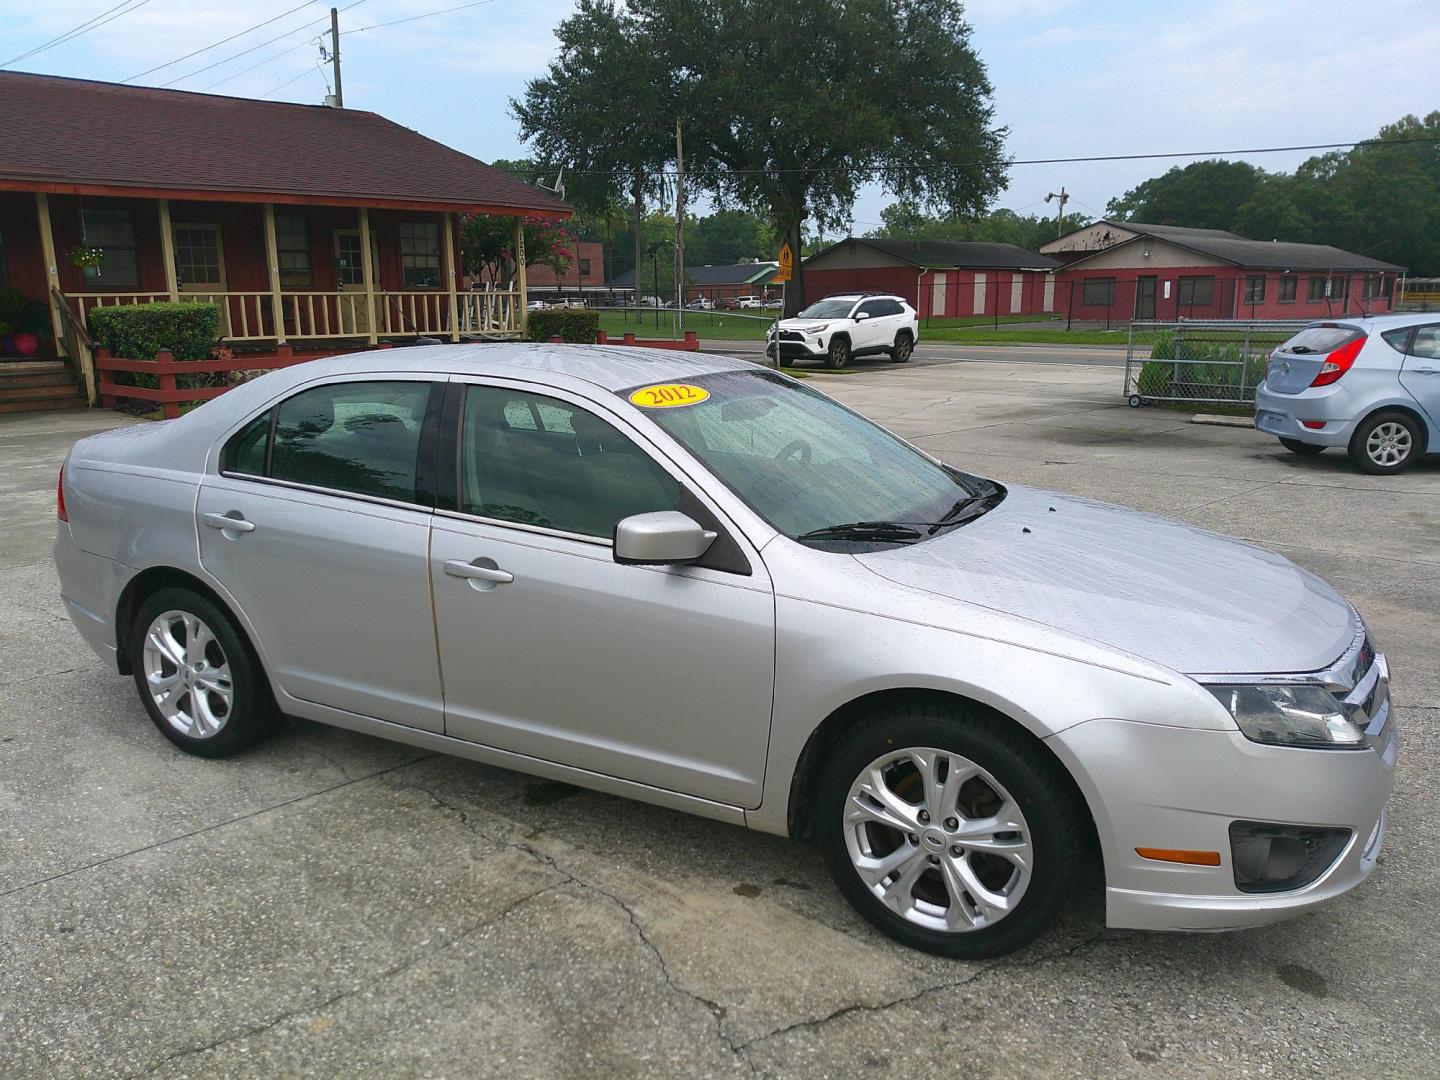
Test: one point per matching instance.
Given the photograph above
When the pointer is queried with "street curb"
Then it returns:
(1214, 420)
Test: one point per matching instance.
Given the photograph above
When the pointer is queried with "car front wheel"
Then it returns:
(1387, 442)
(197, 677)
(839, 353)
(1304, 449)
(949, 830)
(903, 347)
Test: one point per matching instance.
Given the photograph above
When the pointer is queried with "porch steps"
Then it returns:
(37, 385)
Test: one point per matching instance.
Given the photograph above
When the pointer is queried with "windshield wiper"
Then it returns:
(881, 531)
(968, 508)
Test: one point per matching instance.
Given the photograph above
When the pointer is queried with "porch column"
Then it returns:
(52, 284)
(167, 249)
(523, 318)
(450, 275)
(272, 260)
(367, 273)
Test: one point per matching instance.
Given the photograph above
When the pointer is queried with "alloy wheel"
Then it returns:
(937, 840)
(187, 674)
(1388, 444)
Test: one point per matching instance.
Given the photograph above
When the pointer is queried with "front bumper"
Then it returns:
(1151, 786)
(811, 346)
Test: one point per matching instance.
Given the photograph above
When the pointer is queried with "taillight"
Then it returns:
(1338, 362)
(60, 496)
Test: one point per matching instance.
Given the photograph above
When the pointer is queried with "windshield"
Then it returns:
(1320, 339)
(827, 309)
(813, 469)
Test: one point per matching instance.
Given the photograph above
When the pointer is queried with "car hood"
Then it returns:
(810, 324)
(1184, 597)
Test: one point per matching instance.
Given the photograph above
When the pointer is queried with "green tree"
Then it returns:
(1202, 195)
(728, 236)
(907, 221)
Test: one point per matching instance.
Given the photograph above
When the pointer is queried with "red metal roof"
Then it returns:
(89, 137)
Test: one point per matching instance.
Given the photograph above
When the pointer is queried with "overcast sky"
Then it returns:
(1072, 77)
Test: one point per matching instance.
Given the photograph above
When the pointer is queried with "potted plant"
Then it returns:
(86, 258)
(24, 319)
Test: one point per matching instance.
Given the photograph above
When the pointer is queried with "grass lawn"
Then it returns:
(714, 325)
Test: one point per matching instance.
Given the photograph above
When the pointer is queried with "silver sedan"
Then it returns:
(696, 582)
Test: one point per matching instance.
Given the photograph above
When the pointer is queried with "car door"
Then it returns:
(659, 675)
(1420, 371)
(316, 520)
(870, 332)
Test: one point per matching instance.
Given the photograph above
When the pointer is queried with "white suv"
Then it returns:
(851, 324)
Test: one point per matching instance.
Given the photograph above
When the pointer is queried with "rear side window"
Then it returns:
(1320, 339)
(358, 437)
(1426, 342)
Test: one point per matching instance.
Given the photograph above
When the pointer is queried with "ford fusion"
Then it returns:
(696, 582)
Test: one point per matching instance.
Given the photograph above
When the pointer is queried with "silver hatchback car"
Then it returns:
(696, 582)
(1370, 385)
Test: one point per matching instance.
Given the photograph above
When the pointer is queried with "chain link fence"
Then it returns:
(1201, 362)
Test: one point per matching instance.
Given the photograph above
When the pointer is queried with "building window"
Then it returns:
(113, 231)
(4, 267)
(1197, 291)
(1372, 286)
(1100, 290)
(197, 255)
(1255, 289)
(420, 254)
(1339, 288)
(584, 267)
(1317, 289)
(292, 249)
(1287, 289)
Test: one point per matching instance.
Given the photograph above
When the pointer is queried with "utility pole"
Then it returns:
(1060, 216)
(335, 56)
(679, 223)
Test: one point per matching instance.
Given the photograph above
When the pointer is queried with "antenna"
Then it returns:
(558, 190)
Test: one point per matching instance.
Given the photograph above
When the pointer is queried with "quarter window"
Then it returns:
(113, 231)
(1100, 290)
(1197, 291)
(357, 437)
(540, 461)
(420, 254)
(1426, 342)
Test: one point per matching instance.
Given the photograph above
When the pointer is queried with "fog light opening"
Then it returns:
(1277, 858)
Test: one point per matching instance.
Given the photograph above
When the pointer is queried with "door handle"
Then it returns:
(461, 569)
(227, 523)
(1425, 371)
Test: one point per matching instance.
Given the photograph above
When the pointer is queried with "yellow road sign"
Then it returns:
(787, 265)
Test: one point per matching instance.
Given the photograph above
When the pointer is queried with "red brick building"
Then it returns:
(583, 277)
(1123, 270)
(941, 278)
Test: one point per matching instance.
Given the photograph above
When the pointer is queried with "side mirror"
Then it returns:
(861, 315)
(662, 538)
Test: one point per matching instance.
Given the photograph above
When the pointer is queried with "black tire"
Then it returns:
(1374, 426)
(904, 346)
(838, 354)
(252, 714)
(1304, 449)
(1049, 802)
(786, 361)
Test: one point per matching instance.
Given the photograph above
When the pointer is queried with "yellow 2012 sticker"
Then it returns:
(668, 396)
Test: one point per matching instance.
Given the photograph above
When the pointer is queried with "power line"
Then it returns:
(295, 78)
(256, 48)
(413, 18)
(84, 28)
(216, 44)
(262, 63)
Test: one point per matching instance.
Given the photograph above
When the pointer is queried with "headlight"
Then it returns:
(1298, 714)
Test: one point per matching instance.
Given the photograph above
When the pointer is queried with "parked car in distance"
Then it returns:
(536, 305)
(851, 324)
(701, 303)
(696, 582)
(727, 303)
(745, 302)
(1368, 385)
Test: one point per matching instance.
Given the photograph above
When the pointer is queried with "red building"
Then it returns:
(942, 278)
(1122, 270)
(584, 276)
(302, 223)
(712, 283)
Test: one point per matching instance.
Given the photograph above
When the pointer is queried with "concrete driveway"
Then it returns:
(331, 905)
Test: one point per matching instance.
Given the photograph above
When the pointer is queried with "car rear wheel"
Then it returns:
(839, 353)
(903, 347)
(1387, 442)
(197, 676)
(1304, 449)
(948, 830)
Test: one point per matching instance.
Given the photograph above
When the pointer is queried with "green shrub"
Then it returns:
(1184, 367)
(140, 331)
(573, 324)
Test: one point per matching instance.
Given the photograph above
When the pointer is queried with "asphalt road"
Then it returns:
(949, 352)
(330, 905)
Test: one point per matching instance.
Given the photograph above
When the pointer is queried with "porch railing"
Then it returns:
(341, 314)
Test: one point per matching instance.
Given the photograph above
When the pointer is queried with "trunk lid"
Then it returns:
(1294, 365)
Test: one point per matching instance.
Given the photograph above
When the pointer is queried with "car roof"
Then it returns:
(864, 296)
(1384, 322)
(611, 367)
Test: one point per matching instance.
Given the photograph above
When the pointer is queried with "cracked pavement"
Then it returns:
(333, 905)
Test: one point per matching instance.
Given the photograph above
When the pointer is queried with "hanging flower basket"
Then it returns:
(86, 258)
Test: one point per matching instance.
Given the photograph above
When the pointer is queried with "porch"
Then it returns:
(299, 273)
